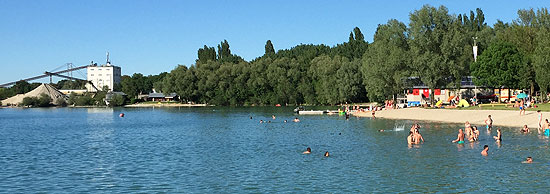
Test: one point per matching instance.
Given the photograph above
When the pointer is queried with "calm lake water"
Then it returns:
(221, 150)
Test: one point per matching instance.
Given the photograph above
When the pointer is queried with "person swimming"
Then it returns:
(261, 121)
(296, 120)
(498, 138)
(327, 154)
(485, 150)
(273, 117)
(529, 160)
(460, 137)
(525, 129)
(308, 151)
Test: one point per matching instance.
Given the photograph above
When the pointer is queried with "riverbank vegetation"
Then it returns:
(435, 47)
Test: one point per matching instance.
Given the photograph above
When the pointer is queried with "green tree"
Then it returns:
(498, 66)
(22, 87)
(437, 44)
(269, 50)
(117, 100)
(541, 60)
(385, 64)
(205, 54)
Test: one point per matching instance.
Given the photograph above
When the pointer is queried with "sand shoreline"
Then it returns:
(477, 117)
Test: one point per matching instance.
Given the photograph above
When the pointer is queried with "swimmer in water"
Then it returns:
(529, 160)
(417, 137)
(485, 150)
(285, 121)
(460, 137)
(261, 121)
(540, 121)
(327, 154)
(308, 151)
(296, 120)
(489, 122)
(468, 131)
(546, 127)
(476, 133)
(273, 116)
(410, 139)
(498, 138)
(525, 129)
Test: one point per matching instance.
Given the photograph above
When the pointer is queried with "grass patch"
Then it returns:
(545, 107)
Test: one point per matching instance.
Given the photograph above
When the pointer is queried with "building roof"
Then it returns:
(465, 82)
(161, 95)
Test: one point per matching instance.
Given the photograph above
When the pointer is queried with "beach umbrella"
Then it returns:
(521, 96)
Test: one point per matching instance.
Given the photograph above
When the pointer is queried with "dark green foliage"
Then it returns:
(207, 53)
(70, 84)
(139, 84)
(386, 63)
(499, 66)
(85, 100)
(117, 100)
(61, 102)
(269, 50)
(42, 101)
(437, 45)
(541, 60)
(22, 87)
(6, 93)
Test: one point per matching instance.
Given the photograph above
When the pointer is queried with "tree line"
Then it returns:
(435, 47)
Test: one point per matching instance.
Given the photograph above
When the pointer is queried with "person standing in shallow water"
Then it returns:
(485, 151)
(489, 123)
(498, 138)
(460, 137)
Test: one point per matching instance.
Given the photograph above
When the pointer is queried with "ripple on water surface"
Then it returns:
(213, 150)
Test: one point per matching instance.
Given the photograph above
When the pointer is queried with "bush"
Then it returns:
(61, 102)
(134, 100)
(84, 101)
(44, 100)
(117, 100)
(28, 101)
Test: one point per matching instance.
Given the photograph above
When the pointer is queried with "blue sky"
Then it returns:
(150, 37)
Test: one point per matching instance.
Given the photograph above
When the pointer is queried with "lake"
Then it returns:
(222, 150)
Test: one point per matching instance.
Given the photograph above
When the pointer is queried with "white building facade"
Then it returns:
(101, 76)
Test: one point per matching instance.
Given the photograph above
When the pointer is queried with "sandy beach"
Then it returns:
(477, 117)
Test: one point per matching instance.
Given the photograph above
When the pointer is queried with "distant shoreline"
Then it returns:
(165, 105)
(475, 117)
